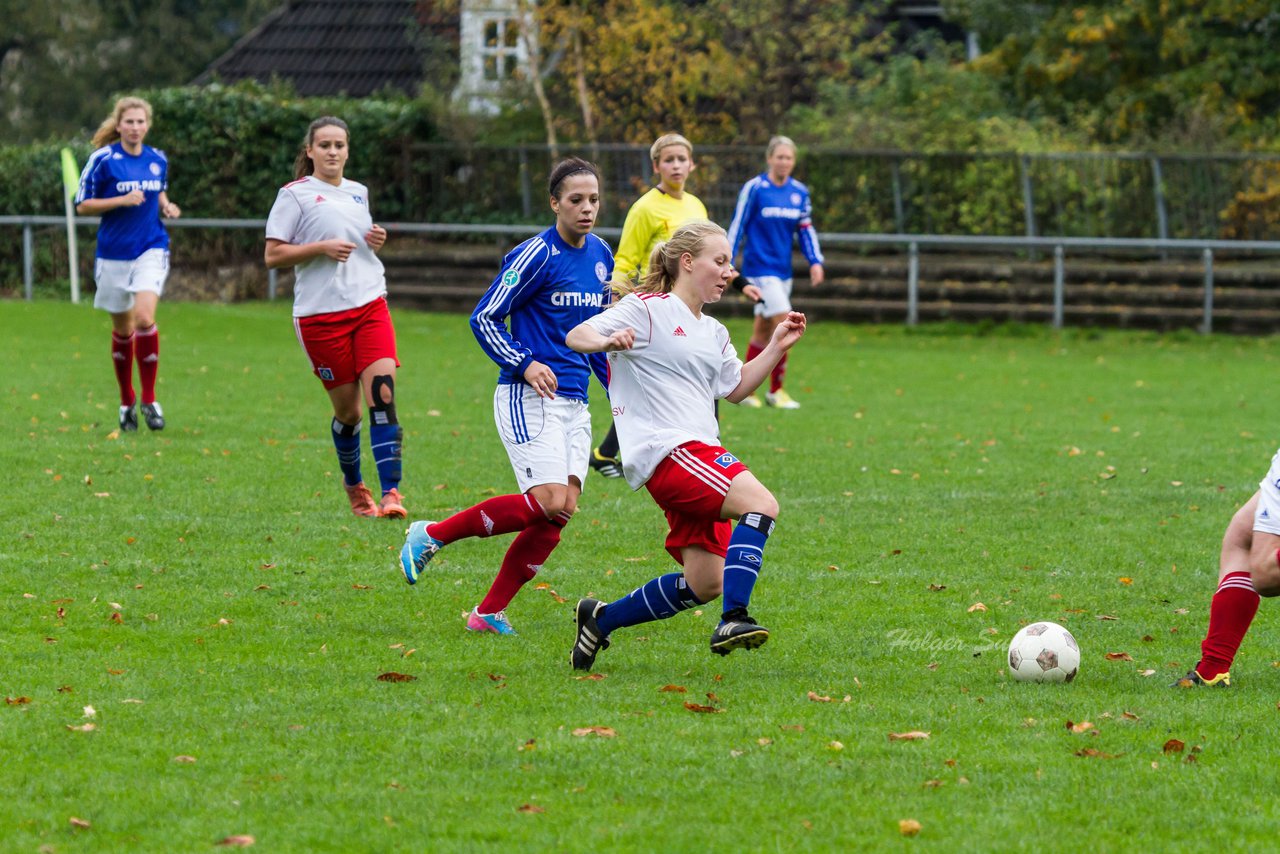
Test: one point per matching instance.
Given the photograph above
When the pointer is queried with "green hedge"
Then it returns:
(230, 148)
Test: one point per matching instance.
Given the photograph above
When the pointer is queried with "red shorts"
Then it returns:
(690, 486)
(341, 344)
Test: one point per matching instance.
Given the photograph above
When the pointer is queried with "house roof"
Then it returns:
(329, 47)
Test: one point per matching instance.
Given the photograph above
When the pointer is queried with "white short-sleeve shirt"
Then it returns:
(663, 390)
(310, 210)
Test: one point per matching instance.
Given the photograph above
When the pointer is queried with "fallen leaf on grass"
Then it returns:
(496, 677)
(1124, 579)
(1146, 673)
(1107, 617)
(90, 711)
(909, 827)
(361, 587)
(1097, 754)
(976, 606)
(834, 745)
(240, 840)
(822, 698)
(914, 735)
(81, 823)
(1083, 726)
(1174, 746)
(602, 731)
(529, 809)
(1119, 656)
(673, 689)
(184, 759)
(82, 727)
(698, 707)
(392, 676)
(1130, 716)
(591, 677)
(16, 701)
(764, 741)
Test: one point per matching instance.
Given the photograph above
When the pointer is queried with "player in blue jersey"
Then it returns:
(547, 285)
(125, 182)
(773, 209)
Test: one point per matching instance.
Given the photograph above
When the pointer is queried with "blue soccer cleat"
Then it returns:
(419, 548)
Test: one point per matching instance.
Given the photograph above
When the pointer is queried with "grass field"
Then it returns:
(207, 593)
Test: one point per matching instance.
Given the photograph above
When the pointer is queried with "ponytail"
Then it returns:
(664, 261)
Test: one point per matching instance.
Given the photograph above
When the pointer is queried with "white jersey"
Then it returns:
(663, 390)
(310, 210)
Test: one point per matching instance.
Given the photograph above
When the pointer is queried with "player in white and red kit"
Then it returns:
(1248, 569)
(668, 364)
(126, 183)
(321, 224)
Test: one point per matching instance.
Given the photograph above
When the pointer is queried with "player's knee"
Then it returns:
(705, 589)
(766, 505)
(1264, 572)
(383, 392)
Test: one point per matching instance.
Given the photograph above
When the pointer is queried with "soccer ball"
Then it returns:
(1043, 652)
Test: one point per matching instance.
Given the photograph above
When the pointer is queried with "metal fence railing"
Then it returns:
(1206, 250)
(1104, 194)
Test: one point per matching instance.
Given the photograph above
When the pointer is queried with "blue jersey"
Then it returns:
(545, 288)
(125, 233)
(767, 217)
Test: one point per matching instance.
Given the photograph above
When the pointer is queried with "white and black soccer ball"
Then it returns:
(1044, 652)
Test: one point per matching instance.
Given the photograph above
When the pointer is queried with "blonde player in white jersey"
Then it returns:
(668, 364)
(321, 224)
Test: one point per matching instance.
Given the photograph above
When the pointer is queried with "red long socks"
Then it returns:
(1230, 614)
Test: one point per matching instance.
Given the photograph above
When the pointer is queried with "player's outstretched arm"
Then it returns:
(583, 338)
(755, 372)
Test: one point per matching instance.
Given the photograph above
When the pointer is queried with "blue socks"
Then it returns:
(386, 439)
(744, 558)
(659, 598)
(346, 439)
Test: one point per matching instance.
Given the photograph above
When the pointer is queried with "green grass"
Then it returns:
(1024, 470)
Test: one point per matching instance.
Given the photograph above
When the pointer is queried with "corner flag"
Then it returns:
(70, 185)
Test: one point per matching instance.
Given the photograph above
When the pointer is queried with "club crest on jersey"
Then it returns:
(601, 272)
(359, 200)
(725, 460)
(155, 168)
(795, 198)
(510, 279)
(325, 373)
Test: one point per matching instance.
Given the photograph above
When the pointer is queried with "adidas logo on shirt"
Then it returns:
(679, 333)
(554, 252)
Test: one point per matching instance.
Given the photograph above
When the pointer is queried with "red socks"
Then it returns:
(500, 515)
(779, 373)
(1230, 614)
(122, 359)
(753, 351)
(147, 348)
(524, 558)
